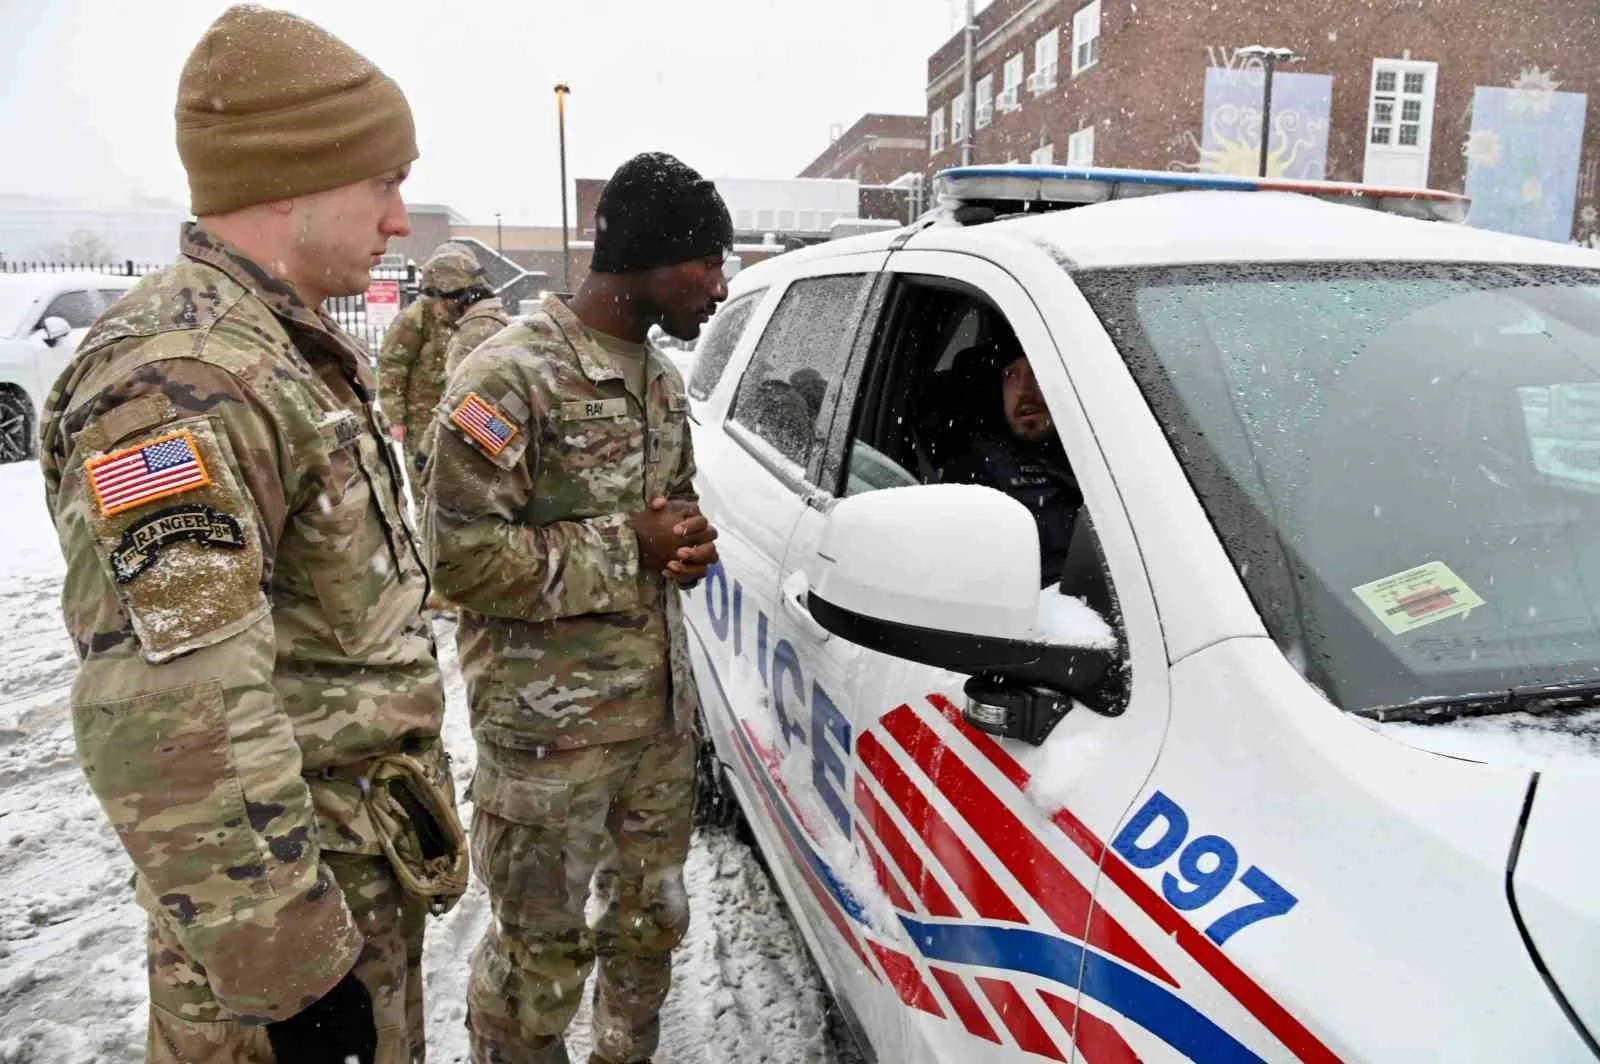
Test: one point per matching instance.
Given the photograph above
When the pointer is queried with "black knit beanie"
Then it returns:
(655, 211)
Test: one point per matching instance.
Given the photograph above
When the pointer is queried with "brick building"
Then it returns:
(1499, 101)
(876, 150)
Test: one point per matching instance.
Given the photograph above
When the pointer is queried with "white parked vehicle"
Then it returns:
(1321, 780)
(43, 316)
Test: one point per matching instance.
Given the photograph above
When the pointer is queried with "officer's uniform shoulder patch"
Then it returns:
(484, 424)
(178, 535)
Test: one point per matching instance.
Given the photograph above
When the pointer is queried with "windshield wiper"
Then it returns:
(1441, 709)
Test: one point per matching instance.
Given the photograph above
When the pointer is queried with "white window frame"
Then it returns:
(1080, 147)
(1086, 37)
(1044, 155)
(1046, 59)
(1011, 94)
(983, 114)
(936, 131)
(958, 119)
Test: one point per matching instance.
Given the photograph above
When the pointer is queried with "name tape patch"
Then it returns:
(157, 469)
(484, 424)
(143, 540)
(589, 409)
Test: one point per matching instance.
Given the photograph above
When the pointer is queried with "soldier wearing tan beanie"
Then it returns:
(258, 699)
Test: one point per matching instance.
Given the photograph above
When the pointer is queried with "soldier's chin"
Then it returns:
(682, 330)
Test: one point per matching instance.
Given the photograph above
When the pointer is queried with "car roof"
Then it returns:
(1217, 226)
(1202, 226)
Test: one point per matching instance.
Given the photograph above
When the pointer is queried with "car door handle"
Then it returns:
(794, 594)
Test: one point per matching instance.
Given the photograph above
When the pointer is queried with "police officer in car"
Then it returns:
(1018, 452)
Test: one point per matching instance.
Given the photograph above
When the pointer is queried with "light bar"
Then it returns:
(1018, 186)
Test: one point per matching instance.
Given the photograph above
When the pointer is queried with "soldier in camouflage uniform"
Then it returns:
(242, 586)
(561, 511)
(483, 319)
(411, 361)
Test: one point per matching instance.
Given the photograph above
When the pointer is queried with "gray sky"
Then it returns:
(745, 88)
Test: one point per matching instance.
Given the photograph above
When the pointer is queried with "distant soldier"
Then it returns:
(485, 316)
(561, 513)
(411, 362)
(259, 704)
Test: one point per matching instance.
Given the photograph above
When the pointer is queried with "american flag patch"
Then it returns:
(166, 465)
(484, 424)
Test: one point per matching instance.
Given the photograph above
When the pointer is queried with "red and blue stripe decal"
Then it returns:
(972, 940)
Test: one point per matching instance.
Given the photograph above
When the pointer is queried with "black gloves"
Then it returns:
(335, 1029)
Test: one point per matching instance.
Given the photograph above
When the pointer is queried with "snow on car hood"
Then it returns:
(1567, 741)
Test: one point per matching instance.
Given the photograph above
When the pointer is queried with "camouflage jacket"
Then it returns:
(411, 365)
(539, 458)
(482, 320)
(244, 592)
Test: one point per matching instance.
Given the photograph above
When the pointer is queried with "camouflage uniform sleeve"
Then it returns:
(397, 357)
(680, 485)
(487, 555)
(179, 729)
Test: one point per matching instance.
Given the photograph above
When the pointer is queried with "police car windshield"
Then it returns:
(1402, 460)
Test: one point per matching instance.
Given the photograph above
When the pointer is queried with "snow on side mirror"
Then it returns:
(948, 575)
(54, 329)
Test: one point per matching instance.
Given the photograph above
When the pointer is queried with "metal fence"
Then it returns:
(125, 268)
(349, 311)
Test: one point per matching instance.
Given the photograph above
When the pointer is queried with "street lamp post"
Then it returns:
(1270, 58)
(562, 90)
(970, 112)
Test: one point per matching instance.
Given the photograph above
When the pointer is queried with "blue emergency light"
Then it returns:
(1015, 189)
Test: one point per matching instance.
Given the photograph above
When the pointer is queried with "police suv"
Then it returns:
(1299, 758)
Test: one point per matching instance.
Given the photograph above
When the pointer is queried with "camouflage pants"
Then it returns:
(540, 827)
(189, 1026)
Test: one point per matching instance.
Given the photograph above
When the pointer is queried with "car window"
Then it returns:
(78, 308)
(717, 345)
(798, 364)
(109, 297)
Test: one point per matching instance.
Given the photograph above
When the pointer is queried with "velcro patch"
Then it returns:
(590, 409)
(156, 469)
(484, 424)
(678, 403)
(144, 539)
(342, 427)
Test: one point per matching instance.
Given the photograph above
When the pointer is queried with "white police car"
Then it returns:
(1324, 784)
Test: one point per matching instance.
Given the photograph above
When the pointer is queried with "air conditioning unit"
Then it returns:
(985, 114)
(1007, 100)
(1042, 80)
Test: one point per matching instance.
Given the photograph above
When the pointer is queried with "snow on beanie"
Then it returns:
(272, 106)
(655, 211)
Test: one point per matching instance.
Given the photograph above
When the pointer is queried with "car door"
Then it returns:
(757, 450)
(982, 854)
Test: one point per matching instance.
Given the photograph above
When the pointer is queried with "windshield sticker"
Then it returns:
(1407, 601)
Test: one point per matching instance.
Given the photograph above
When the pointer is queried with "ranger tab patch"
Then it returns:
(157, 469)
(486, 425)
(144, 539)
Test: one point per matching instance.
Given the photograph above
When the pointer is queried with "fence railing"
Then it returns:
(349, 311)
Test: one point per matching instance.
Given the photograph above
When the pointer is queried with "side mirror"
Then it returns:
(948, 575)
(54, 329)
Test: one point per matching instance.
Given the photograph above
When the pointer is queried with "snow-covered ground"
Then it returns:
(72, 940)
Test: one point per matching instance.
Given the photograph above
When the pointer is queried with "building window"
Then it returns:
(1046, 51)
(764, 220)
(936, 131)
(1080, 147)
(984, 114)
(1044, 156)
(1086, 37)
(958, 119)
(807, 222)
(1010, 96)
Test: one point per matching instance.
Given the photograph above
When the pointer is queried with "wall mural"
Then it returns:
(1230, 140)
(1523, 158)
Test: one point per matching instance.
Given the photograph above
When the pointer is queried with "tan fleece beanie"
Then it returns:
(271, 106)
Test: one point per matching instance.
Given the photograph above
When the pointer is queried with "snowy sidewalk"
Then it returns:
(72, 984)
